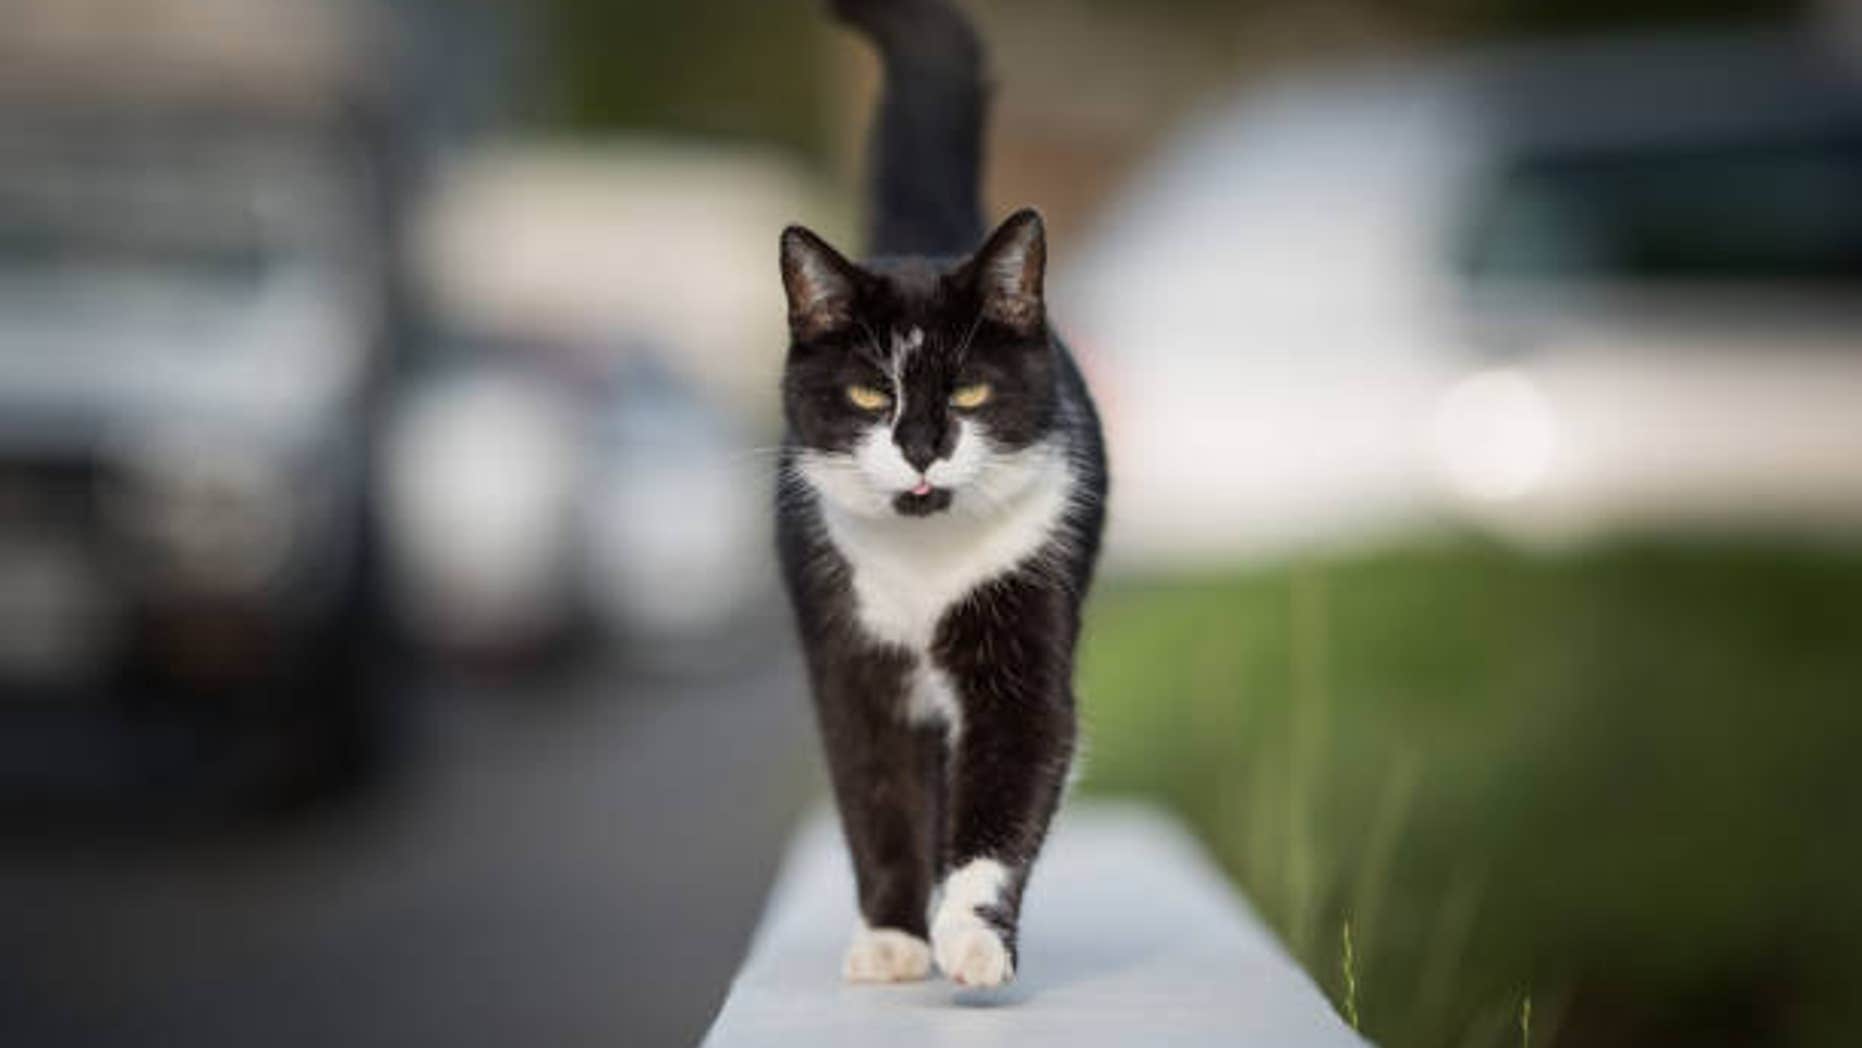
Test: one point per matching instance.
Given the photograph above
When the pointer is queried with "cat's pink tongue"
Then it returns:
(923, 488)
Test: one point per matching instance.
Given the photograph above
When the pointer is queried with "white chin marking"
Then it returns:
(885, 955)
(967, 948)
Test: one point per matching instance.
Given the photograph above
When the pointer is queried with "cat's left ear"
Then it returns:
(1010, 269)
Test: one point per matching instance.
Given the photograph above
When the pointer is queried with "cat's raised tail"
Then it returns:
(927, 144)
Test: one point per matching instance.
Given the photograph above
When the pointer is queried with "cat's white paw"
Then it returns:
(971, 953)
(885, 955)
(969, 949)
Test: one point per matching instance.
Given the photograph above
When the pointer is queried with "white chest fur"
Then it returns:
(909, 571)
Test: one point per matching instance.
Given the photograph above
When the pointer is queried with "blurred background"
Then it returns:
(389, 647)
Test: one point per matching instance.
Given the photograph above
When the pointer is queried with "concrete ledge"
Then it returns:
(1129, 937)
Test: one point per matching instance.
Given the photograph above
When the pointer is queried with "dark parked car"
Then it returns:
(196, 303)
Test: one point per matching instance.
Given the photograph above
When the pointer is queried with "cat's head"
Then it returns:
(913, 387)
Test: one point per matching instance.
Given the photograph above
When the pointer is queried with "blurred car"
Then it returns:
(478, 480)
(539, 496)
(195, 296)
(1558, 292)
(675, 524)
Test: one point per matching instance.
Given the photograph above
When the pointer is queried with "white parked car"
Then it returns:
(529, 504)
(1559, 292)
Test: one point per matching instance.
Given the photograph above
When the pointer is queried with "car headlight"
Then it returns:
(1495, 436)
(205, 513)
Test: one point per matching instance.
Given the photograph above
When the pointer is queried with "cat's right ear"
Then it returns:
(820, 283)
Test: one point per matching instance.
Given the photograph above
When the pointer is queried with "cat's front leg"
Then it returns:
(886, 774)
(1009, 658)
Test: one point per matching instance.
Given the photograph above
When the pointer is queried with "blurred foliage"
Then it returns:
(763, 69)
(731, 68)
(1464, 18)
(1536, 16)
(1623, 782)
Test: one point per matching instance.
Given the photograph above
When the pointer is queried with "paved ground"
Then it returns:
(573, 864)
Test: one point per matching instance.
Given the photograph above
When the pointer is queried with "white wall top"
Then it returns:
(1129, 937)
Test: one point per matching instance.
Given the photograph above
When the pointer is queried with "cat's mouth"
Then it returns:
(922, 501)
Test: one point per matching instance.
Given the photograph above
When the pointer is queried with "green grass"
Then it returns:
(1626, 779)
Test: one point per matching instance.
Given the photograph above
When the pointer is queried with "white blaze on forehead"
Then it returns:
(904, 344)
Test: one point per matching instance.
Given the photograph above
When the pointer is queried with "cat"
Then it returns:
(942, 495)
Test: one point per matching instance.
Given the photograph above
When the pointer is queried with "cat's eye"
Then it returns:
(866, 398)
(973, 396)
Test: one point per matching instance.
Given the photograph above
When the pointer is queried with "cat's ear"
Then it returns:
(1009, 271)
(820, 283)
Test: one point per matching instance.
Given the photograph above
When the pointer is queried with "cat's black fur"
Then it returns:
(916, 800)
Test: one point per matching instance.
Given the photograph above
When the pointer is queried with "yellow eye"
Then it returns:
(970, 396)
(866, 398)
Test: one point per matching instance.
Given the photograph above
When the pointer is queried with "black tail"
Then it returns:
(928, 139)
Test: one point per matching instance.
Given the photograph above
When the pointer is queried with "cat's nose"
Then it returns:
(920, 443)
(919, 452)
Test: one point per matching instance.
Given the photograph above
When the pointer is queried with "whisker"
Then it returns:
(874, 352)
(963, 348)
(746, 454)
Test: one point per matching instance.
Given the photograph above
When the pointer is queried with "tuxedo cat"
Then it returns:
(942, 496)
